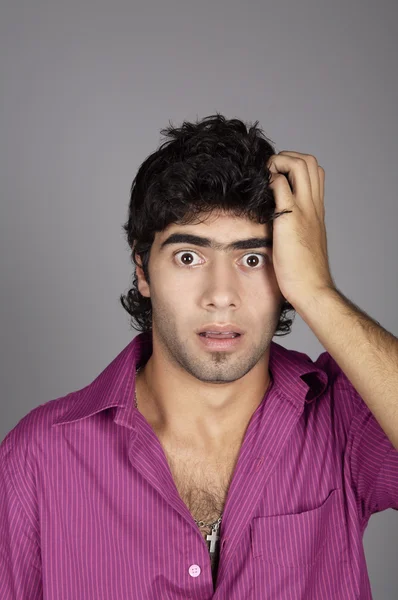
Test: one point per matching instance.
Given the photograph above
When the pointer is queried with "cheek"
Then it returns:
(266, 284)
(177, 288)
(264, 295)
(272, 281)
(175, 296)
(180, 288)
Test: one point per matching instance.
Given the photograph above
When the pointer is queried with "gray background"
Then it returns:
(86, 87)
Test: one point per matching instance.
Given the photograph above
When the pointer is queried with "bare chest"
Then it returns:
(202, 480)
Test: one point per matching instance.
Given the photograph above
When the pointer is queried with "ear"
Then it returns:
(143, 286)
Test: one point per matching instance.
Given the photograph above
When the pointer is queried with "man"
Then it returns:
(229, 467)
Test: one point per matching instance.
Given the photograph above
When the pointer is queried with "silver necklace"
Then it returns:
(213, 537)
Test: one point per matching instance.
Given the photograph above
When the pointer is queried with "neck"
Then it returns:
(197, 423)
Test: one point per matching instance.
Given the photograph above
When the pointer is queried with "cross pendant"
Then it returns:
(213, 539)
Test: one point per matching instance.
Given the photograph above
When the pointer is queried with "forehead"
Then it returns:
(221, 226)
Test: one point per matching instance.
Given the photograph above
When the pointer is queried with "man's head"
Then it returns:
(208, 179)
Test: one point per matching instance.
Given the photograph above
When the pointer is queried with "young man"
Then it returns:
(228, 467)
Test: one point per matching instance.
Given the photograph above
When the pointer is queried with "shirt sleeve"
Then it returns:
(373, 460)
(20, 557)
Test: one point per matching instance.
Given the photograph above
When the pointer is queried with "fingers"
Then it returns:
(305, 176)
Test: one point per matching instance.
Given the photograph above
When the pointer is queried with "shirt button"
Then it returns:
(194, 570)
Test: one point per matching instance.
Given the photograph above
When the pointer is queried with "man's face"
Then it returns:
(193, 286)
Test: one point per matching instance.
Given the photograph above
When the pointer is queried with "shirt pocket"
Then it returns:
(304, 554)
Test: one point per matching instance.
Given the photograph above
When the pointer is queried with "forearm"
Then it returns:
(363, 349)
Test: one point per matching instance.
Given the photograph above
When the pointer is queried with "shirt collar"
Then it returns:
(114, 386)
(294, 374)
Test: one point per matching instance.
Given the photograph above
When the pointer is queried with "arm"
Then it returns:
(20, 560)
(365, 352)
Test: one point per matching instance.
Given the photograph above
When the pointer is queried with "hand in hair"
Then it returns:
(300, 256)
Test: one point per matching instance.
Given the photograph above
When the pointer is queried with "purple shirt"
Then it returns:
(89, 509)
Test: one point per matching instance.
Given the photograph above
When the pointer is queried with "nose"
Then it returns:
(221, 288)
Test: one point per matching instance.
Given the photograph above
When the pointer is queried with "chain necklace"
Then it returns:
(213, 537)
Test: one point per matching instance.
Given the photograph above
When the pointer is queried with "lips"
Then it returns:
(220, 329)
(220, 342)
(218, 335)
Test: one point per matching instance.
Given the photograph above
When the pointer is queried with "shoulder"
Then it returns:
(32, 431)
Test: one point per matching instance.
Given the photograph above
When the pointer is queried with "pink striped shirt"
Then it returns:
(89, 509)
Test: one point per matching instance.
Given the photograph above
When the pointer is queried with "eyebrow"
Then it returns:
(196, 240)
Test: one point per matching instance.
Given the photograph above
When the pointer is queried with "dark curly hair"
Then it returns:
(213, 164)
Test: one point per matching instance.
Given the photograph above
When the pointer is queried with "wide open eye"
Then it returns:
(184, 254)
(257, 263)
(182, 261)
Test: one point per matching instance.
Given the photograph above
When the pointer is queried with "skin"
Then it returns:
(203, 398)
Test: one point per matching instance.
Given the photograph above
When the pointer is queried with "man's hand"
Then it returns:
(299, 252)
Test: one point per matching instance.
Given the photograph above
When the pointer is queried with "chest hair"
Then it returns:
(202, 481)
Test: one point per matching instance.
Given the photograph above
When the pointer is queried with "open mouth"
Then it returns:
(219, 335)
(220, 341)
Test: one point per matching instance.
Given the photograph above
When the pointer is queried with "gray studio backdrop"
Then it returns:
(86, 85)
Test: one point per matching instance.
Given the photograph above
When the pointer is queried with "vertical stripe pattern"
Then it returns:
(88, 507)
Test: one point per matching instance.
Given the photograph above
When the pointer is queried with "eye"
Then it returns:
(264, 257)
(254, 262)
(184, 254)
